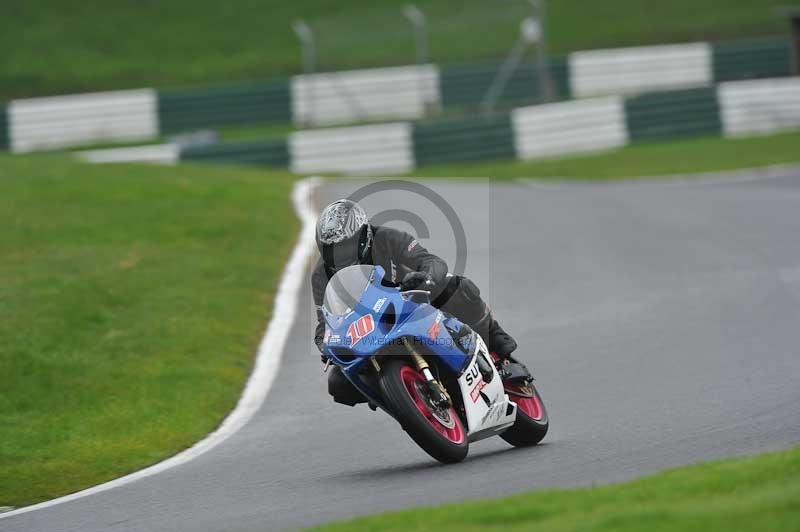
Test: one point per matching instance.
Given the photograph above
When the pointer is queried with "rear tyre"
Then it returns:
(439, 432)
(532, 421)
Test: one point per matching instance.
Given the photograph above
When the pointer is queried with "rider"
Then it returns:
(345, 238)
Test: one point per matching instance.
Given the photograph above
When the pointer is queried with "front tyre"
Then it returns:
(532, 421)
(439, 432)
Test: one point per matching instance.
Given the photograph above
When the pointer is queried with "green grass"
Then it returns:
(637, 160)
(53, 47)
(760, 493)
(132, 301)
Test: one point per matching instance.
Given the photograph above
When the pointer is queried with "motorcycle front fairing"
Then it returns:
(380, 316)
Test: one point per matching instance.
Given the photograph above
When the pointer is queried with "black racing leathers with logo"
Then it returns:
(398, 253)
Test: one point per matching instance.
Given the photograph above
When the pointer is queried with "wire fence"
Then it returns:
(378, 37)
(413, 36)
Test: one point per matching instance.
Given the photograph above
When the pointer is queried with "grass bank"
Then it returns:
(54, 47)
(640, 160)
(132, 301)
(759, 493)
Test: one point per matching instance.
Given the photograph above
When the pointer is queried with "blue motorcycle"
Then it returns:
(428, 370)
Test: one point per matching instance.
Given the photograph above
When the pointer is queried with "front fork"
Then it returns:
(439, 396)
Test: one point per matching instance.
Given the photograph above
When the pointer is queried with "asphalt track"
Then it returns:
(661, 323)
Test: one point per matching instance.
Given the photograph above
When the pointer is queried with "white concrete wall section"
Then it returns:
(353, 150)
(638, 69)
(158, 154)
(759, 106)
(359, 95)
(63, 121)
(569, 127)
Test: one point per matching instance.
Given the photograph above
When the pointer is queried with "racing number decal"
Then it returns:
(360, 328)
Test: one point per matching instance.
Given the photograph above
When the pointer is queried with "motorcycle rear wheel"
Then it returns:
(532, 421)
(439, 432)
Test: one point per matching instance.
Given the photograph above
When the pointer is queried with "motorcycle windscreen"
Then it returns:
(345, 289)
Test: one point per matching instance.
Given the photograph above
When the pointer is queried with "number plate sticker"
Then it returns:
(360, 328)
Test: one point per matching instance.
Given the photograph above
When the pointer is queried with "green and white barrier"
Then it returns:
(464, 139)
(271, 152)
(63, 121)
(559, 129)
(409, 93)
(673, 114)
(640, 69)
(227, 105)
(576, 126)
(759, 106)
(752, 59)
(381, 148)
(404, 92)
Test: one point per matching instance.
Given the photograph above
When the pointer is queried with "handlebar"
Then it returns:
(423, 295)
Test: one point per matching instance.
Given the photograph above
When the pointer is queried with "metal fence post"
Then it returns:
(528, 33)
(546, 87)
(418, 24)
(419, 27)
(531, 32)
(306, 36)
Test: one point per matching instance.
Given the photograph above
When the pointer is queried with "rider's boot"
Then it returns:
(501, 344)
(499, 341)
(513, 373)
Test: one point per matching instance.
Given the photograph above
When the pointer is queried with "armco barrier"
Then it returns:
(468, 139)
(263, 152)
(61, 121)
(353, 150)
(752, 59)
(673, 114)
(639, 69)
(759, 106)
(404, 92)
(569, 127)
(193, 108)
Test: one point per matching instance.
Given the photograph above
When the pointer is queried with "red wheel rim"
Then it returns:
(525, 397)
(527, 401)
(445, 422)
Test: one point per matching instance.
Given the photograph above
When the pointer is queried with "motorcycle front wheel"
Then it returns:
(438, 431)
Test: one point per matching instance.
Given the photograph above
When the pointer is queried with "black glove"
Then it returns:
(323, 358)
(417, 281)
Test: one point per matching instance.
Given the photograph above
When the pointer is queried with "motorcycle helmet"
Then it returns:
(344, 235)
